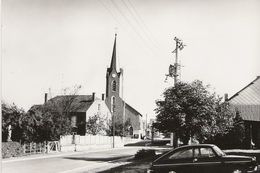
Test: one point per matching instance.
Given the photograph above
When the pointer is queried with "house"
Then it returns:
(247, 103)
(80, 108)
(120, 110)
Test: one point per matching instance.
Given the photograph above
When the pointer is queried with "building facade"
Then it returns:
(247, 103)
(121, 111)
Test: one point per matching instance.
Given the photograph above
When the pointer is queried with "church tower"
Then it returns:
(113, 99)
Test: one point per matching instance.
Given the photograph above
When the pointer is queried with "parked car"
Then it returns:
(202, 158)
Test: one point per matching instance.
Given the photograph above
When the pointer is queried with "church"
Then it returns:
(111, 107)
(122, 112)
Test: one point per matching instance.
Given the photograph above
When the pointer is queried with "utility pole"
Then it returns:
(122, 74)
(173, 73)
(113, 124)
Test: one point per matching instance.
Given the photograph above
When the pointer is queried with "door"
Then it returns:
(180, 161)
(206, 160)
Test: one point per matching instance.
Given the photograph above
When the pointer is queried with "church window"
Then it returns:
(114, 85)
(113, 104)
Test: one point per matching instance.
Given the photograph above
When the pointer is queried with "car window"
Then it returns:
(206, 152)
(218, 151)
(182, 154)
(196, 152)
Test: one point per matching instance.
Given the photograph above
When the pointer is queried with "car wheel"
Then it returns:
(237, 171)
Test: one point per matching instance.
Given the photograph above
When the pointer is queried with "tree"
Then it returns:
(49, 121)
(190, 110)
(96, 125)
(234, 138)
(120, 128)
(11, 116)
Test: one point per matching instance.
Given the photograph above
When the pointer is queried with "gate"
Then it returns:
(53, 146)
(45, 147)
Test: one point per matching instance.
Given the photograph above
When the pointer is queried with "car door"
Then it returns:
(180, 162)
(206, 160)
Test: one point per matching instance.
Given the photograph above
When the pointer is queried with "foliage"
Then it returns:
(11, 149)
(11, 115)
(52, 119)
(234, 138)
(45, 122)
(95, 125)
(142, 154)
(190, 110)
(120, 128)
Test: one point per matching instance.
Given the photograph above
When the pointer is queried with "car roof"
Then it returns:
(183, 147)
(196, 145)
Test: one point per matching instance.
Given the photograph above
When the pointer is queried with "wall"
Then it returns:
(103, 111)
(81, 143)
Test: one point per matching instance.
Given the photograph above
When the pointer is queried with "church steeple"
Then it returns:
(113, 60)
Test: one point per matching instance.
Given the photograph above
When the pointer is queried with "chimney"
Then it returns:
(45, 98)
(226, 97)
(103, 97)
(93, 96)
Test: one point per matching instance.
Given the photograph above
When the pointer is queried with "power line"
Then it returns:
(132, 26)
(109, 11)
(142, 23)
(132, 13)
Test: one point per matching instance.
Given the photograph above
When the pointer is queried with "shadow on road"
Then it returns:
(100, 159)
(156, 142)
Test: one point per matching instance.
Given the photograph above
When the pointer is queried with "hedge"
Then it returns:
(11, 149)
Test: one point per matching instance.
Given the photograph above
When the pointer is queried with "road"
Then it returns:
(75, 163)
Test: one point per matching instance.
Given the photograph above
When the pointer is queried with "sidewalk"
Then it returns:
(52, 155)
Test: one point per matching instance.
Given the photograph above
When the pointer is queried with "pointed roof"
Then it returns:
(247, 101)
(113, 60)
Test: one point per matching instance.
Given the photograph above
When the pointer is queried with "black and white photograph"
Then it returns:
(130, 86)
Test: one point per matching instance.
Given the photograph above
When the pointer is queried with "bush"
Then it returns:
(11, 149)
(142, 154)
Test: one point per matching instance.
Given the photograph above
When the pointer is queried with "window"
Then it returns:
(99, 107)
(113, 104)
(196, 152)
(113, 85)
(206, 152)
(182, 154)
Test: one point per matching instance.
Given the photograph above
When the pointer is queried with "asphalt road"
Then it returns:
(80, 162)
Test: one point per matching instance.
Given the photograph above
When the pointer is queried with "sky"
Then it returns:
(48, 45)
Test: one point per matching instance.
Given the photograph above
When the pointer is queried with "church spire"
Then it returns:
(113, 60)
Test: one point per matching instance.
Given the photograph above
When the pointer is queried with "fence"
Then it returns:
(45, 147)
(76, 142)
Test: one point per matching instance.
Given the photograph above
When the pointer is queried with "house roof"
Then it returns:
(79, 103)
(247, 101)
(132, 109)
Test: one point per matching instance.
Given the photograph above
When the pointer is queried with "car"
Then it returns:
(202, 158)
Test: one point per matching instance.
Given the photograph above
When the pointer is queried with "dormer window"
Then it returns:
(113, 85)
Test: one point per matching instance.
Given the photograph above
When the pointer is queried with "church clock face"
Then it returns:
(113, 75)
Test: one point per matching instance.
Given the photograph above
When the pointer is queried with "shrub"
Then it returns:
(142, 154)
(11, 149)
